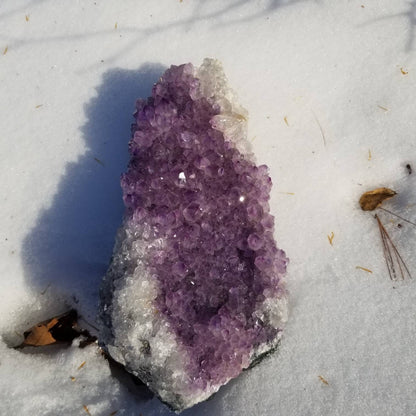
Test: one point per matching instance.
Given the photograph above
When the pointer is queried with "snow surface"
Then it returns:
(329, 88)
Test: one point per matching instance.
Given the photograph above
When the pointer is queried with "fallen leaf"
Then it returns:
(370, 200)
(404, 72)
(285, 120)
(5, 50)
(40, 334)
(86, 410)
(59, 329)
(82, 365)
(27, 18)
(331, 238)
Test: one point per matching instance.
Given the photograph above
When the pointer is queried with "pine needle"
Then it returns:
(363, 268)
(331, 238)
(323, 380)
(394, 261)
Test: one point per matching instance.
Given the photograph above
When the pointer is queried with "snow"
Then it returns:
(333, 71)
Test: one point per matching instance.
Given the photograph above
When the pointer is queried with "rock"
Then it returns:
(194, 293)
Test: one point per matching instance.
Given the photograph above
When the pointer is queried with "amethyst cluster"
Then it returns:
(194, 292)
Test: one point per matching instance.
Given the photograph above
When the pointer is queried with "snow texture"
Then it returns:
(329, 87)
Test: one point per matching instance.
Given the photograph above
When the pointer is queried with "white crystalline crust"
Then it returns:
(232, 121)
(133, 331)
(135, 325)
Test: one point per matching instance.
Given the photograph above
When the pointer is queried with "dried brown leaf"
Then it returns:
(40, 334)
(59, 329)
(370, 200)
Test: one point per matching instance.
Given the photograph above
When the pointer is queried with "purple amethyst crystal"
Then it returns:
(194, 292)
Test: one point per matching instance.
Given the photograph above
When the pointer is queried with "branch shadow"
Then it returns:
(68, 250)
(410, 15)
(21, 8)
(217, 13)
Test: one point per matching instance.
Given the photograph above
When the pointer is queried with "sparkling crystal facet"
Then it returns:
(196, 274)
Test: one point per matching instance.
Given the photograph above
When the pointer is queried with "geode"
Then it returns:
(194, 293)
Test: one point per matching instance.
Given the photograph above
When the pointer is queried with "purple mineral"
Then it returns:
(194, 293)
